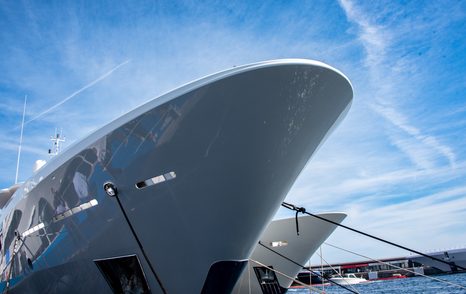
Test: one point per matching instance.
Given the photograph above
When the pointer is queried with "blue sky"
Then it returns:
(396, 164)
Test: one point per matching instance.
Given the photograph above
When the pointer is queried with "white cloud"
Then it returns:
(374, 38)
(377, 41)
(400, 180)
(423, 224)
(77, 92)
(400, 121)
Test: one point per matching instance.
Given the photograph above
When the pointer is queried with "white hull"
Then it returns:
(348, 281)
(199, 173)
(313, 232)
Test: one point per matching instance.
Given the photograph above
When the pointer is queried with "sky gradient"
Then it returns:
(396, 164)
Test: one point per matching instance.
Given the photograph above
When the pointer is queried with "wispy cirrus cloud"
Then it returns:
(8, 144)
(418, 143)
(377, 41)
(405, 166)
(77, 92)
(372, 189)
(373, 37)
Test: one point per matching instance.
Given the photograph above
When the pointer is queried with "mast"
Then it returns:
(20, 139)
(57, 140)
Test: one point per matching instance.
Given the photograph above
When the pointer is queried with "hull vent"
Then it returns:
(268, 281)
(123, 274)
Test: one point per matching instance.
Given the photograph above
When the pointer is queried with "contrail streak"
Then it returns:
(78, 91)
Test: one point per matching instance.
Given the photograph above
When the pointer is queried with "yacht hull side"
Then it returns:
(198, 177)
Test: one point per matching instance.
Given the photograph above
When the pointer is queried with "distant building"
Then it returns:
(394, 267)
(387, 268)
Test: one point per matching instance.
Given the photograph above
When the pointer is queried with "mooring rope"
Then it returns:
(321, 266)
(288, 277)
(392, 265)
(133, 231)
(302, 266)
(303, 210)
(337, 272)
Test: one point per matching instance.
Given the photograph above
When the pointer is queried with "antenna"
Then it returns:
(57, 140)
(20, 139)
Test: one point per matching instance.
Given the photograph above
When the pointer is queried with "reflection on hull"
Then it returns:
(281, 236)
(197, 175)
